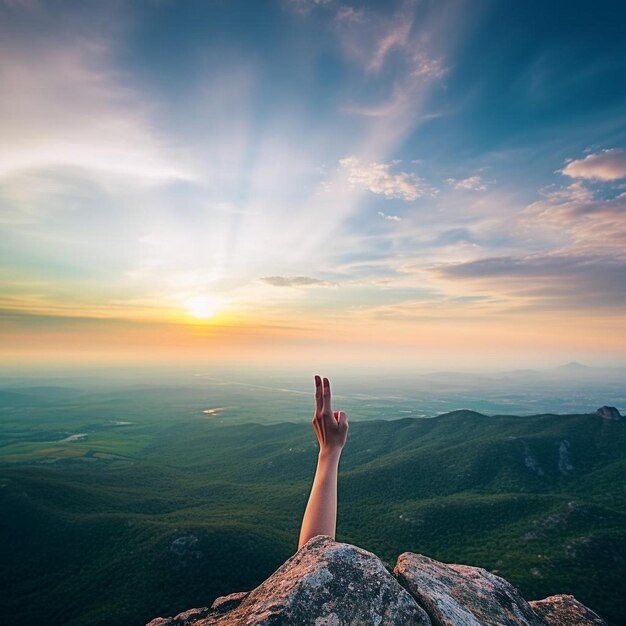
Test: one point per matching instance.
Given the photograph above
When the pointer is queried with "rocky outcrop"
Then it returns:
(327, 583)
(565, 610)
(459, 594)
(609, 413)
(324, 584)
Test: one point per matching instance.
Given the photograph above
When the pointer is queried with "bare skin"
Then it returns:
(331, 428)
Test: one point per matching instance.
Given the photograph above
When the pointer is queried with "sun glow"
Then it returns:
(202, 307)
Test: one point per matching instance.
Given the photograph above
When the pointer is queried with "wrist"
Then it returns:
(329, 454)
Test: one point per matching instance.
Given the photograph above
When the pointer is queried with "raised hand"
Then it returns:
(331, 427)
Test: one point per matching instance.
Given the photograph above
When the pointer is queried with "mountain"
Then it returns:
(573, 366)
(147, 519)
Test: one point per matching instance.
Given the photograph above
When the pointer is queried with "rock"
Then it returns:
(565, 610)
(192, 616)
(185, 545)
(327, 583)
(229, 602)
(185, 550)
(565, 462)
(609, 413)
(531, 462)
(460, 595)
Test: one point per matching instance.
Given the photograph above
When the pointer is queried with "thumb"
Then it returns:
(342, 418)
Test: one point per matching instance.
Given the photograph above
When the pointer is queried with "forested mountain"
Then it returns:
(132, 521)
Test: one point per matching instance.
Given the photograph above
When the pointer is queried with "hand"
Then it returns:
(331, 427)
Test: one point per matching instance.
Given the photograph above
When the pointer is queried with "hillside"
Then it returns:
(152, 523)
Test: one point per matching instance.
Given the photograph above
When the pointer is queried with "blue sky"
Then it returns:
(381, 171)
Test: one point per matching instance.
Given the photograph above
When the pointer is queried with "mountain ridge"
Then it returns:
(459, 488)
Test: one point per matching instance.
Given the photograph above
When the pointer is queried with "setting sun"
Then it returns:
(202, 308)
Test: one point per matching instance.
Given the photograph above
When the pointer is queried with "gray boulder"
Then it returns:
(565, 610)
(460, 595)
(324, 584)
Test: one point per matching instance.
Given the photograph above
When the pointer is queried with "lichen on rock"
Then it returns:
(460, 595)
(564, 610)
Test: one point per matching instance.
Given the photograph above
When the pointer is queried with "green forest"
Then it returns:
(118, 512)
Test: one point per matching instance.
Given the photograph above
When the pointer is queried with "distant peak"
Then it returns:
(573, 365)
(462, 413)
(609, 413)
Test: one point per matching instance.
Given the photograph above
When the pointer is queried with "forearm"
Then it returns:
(320, 516)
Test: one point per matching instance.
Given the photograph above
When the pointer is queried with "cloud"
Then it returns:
(396, 37)
(304, 7)
(368, 36)
(396, 54)
(426, 67)
(579, 219)
(64, 106)
(349, 14)
(295, 281)
(371, 38)
(559, 280)
(474, 183)
(604, 165)
(377, 178)
(393, 218)
(582, 265)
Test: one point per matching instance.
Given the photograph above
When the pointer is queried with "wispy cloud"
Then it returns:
(557, 280)
(428, 67)
(295, 281)
(473, 183)
(65, 106)
(392, 218)
(396, 36)
(582, 266)
(379, 179)
(304, 7)
(605, 165)
(372, 38)
(401, 46)
(582, 221)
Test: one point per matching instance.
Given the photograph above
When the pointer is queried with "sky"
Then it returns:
(312, 183)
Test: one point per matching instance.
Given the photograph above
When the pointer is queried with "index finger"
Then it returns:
(327, 405)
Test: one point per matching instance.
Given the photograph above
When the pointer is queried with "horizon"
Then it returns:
(312, 185)
(568, 389)
(198, 370)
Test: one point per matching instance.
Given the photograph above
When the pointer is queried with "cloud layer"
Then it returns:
(606, 165)
(294, 281)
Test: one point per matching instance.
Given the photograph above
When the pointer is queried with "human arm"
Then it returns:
(331, 429)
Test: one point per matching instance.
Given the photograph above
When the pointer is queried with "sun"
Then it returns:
(202, 307)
